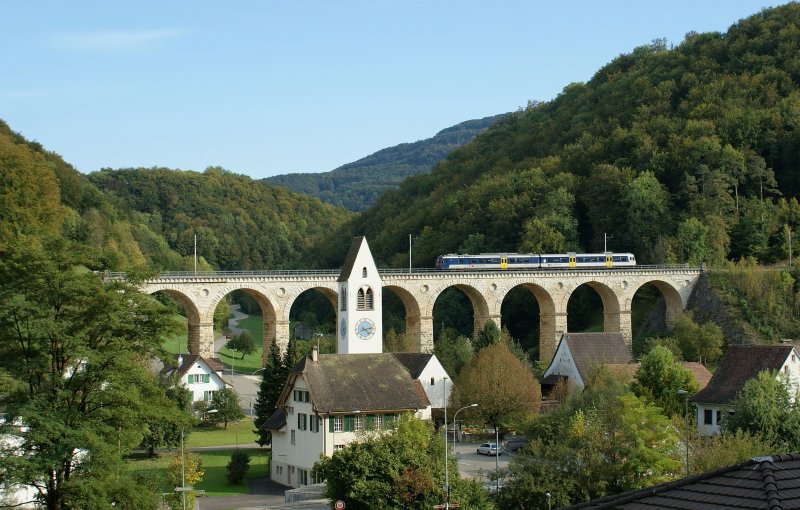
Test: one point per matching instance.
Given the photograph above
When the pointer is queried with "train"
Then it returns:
(511, 261)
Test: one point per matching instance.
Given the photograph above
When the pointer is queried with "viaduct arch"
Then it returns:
(276, 291)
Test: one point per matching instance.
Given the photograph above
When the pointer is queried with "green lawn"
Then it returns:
(237, 433)
(214, 464)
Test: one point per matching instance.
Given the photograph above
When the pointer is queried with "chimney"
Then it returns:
(314, 356)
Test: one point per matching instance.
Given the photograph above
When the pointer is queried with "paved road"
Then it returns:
(246, 385)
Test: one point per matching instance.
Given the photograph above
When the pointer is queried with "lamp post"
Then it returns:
(446, 473)
(686, 423)
(252, 390)
(233, 361)
(454, 424)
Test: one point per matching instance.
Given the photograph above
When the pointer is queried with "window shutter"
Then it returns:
(370, 422)
(348, 424)
(330, 423)
(206, 378)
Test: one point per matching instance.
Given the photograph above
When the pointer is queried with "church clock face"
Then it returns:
(343, 327)
(365, 329)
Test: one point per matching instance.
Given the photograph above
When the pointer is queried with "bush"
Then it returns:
(238, 467)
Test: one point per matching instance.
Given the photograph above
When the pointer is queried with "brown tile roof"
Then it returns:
(700, 372)
(740, 364)
(341, 383)
(759, 483)
(350, 258)
(415, 362)
(591, 349)
(187, 361)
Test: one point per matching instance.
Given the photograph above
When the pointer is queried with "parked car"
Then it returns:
(489, 449)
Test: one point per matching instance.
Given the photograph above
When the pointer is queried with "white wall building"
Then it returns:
(740, 364)
(329, 399)
(198, 375)
(578, 354)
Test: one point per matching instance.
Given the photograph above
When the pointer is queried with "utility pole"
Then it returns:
(195, 254)
(606, 237)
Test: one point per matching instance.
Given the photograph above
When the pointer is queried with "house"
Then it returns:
(328, 399)
(740, 364)
(199, 375)
(578, 354)
(761, 482)
(428, 370)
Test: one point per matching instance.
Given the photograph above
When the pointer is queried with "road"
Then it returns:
(246, 385)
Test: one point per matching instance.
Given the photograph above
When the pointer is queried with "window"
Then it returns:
(708, 414)
(338, 447)
(378, 421)
(208, 396)
(289, 410)
(363, 272)
(365, 299)
(433, 381)
(301, 396)
(315, 423)
(344, 299)
(719, 417)
(302, 476)
(358, 422)
(292, 436)
(199, 378)
(338, 423)
(302, 421)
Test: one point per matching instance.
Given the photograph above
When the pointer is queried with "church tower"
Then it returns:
(360, 291)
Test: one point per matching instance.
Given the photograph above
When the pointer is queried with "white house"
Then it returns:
(579, 353)
(740, 364)
(328, 399)
(428, 370)
(198, 375)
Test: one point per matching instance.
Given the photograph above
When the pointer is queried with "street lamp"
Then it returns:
(454, 424)
(686, 423)
(252, 390)
(233, 361)
(446, 474)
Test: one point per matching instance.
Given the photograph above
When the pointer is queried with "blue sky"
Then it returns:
(266, 87)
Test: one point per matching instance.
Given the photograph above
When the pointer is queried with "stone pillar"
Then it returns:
(551, 327)
(413, 330)
(205, 340)
(611, 322)
(671, 316)
(425, 334)
(193, 338)
(282, 334)
(625, 326)
(268, 337)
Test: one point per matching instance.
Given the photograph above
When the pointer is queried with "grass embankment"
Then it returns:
(252, 362)
(214, 462)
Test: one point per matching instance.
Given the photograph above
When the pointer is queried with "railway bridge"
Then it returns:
(275, 291)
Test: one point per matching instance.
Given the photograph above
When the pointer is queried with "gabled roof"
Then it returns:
(740, 364)
(350, 259)
(591, 349)
(188, 361)
(276, 421)
(761, 482)
(415, 362)
(341, 383)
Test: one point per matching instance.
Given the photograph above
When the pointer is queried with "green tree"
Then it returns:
(402, 469)
(272, 380)
(488, 335)
(766, 408)
(79, 347)
(453, 350)
(185, 470)
(500, 383)
(647, 206)
(698, 341)
(237, 467)
(226, 402)
(728, 449)
(164, 430)
(692, 239)
(243, 342)
(659, 378)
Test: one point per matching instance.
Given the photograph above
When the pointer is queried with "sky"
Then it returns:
(271, 87)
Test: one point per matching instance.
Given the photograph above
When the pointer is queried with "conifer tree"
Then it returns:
(272, 379)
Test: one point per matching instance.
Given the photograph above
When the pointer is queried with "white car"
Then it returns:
(489, 449)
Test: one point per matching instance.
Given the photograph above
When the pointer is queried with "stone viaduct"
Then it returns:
(276, 291)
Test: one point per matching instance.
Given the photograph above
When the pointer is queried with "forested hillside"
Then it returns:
(42, 196)
(356, 186)
(682, 154)
(240, 223)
